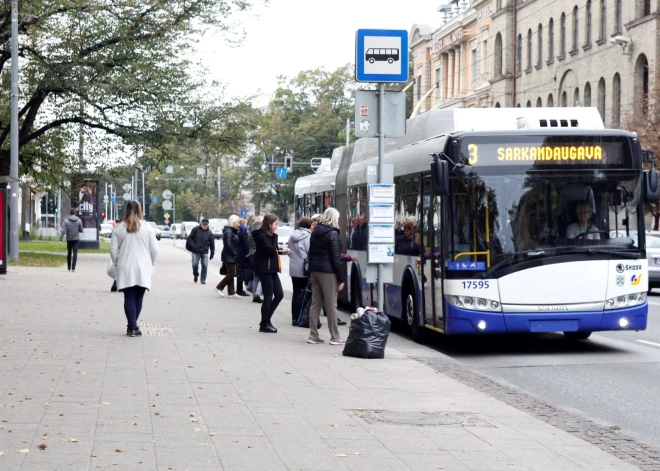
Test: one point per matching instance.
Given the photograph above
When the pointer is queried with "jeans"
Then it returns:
(72, 253)
(204, 258)
(299, 285)
(133, 304)
(273, 294)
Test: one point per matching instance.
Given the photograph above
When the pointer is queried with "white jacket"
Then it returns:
(134, 255)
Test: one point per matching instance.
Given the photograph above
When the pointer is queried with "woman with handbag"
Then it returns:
(299, 264)
(267, 267)
(229, 256)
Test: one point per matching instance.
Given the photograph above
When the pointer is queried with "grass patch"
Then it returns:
(29, 259)
(54, 246)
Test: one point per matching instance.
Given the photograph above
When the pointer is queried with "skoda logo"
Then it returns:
(619, 268)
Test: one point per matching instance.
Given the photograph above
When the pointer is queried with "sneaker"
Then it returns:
(315, 340)
(195, 279)
(337, 342)
(203, 282)
(340, 322)
(220, 293)
(137, 333)
(234, 296)
(257, 299)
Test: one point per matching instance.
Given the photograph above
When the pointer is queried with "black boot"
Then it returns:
(268, 329)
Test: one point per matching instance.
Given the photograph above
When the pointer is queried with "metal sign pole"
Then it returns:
(13, 139)
(381, 145)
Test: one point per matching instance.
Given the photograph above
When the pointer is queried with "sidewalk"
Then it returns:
(203, 390)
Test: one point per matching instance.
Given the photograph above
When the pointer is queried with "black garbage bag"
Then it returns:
(368, 336)
(305, 305)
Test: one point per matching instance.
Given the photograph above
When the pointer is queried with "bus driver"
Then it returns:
(583, 226)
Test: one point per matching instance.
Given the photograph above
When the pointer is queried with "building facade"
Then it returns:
(533, 53)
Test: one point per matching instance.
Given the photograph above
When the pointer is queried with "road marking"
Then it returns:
(650, 343)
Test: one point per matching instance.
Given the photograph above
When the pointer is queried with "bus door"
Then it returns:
(431, 278)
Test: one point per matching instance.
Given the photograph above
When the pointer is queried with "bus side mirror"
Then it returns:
(651, 186)
(647, 156)
(440, 175)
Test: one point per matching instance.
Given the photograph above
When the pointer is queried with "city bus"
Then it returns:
(522, 220)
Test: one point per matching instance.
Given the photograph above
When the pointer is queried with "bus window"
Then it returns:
(329, 199)
(319, 203)
(358, 229)
(299, 207)
(308, 210)
(406, 216)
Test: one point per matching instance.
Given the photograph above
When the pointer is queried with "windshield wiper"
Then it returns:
(536, 253)
(583, 250)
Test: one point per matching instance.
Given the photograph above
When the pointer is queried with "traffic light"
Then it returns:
(288, 162)
(103, 215)
(271, 163)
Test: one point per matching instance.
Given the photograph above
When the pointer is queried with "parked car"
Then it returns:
(175, 231)
(186, 227)
(165, 232)
(106, 230)
(154, 226)
(217, 225)
(283, 234)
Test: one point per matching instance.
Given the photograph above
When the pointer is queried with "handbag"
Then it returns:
(112, 270)
(223, 269)
(247, 274)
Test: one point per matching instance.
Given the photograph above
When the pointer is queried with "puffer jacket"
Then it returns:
(230, 244)
(72, 228)
(266, 255)
(325, 252)
(251, 242)
(299, 246)
(202, 240)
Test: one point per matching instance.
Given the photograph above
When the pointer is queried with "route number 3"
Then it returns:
(474, 154)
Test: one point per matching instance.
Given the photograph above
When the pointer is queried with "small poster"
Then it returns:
(381, 213)
(383, 233)
(381, 253)
(381, 193)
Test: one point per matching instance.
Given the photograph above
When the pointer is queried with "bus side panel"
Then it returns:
(361, 275)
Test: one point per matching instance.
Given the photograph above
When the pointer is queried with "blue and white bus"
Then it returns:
(504, 220)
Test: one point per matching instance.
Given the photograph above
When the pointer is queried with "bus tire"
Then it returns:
(390, 60)
(577, 335)
(371, 60)
(411, 315)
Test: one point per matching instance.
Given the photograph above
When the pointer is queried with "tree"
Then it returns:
(113, 73)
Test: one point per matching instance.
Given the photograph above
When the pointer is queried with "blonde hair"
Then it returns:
(330, 217)
(232, 220)
(316, 218)
(258, 219)
(132, 216)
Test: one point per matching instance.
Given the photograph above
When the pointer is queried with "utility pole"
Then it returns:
(106, 200)
(348, 131)
(219, 193)
(13, 140)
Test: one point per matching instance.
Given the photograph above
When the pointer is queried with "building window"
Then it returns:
(562, 35)
(540, 45)
(647, 7)
(529, 104)
(601, 98)
(587, 94)
(497, 105)
(576, 28)
(498, 5)
(551, 40)
(498, 55)
(519, 54)
(603, 19)
(539, 103)
(473, 67)
(616, 100)
(551, 101)
(436, 76)
(529, 49)
(576, 97)
(418, 84)
(564, 99)
(484, 60)
(642, 85)
(588, 22)
(619, 16)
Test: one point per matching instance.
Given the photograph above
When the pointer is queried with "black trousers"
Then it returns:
(72, 253)
(273, 295)
(133, 304)
(299, 285)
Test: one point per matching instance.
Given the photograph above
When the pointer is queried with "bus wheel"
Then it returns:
(577, 335)
(371, 60)
(390, 60)
(411, 316)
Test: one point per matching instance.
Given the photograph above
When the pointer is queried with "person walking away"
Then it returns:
(243, 251)
(202, 240)
(134, 251)
(299, 247)
(267, 267)
(253, 248)
(229, 256)
(327, 275)
(72, 228)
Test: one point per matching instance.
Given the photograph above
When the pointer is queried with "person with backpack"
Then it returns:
(230, 247)
(200, 241)
(72, 228)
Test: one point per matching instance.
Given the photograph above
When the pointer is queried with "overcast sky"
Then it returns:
(289, 36)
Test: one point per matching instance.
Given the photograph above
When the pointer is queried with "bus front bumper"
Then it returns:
(464, 321)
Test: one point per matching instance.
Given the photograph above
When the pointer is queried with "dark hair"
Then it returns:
(73, 211)
(269, 220)
(305, 223)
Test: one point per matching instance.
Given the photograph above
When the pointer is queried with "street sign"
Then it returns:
(105, 198)
(243, 212)
(366, 114)
(280, 172)
(200, 171)
(127, 186)
(167, 194)
(167, 221)
(154, 199)
(169, 169)
(381, 55)
(113, 199)
(167, 205)
(127, 196)
(167, 215)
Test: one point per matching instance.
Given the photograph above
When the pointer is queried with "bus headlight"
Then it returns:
(481, 325)
(473, 304)
(628, 300)
(623, 322)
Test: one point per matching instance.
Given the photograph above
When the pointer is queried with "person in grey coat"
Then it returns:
(133, 251)
(299, 246)
(72, 228)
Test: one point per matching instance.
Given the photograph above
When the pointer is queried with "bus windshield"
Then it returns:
(494, 215)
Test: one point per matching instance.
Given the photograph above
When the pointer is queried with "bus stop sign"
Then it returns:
(381, 55)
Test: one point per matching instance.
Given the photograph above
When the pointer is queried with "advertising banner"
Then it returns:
(85, 199)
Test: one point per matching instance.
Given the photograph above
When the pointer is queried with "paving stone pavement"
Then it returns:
(204, 390)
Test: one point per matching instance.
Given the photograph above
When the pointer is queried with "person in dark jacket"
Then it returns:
(243, 252)
(267, 266)
(327, 275)
(230, 243)
(72, 228)
(202, 240)
(254, 287)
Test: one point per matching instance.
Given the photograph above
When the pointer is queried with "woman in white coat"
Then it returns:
(133, 250)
